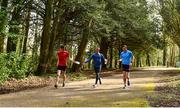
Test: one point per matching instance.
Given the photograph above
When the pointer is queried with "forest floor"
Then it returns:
(149, 87)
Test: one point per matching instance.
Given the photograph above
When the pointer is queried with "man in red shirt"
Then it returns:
(61, 64)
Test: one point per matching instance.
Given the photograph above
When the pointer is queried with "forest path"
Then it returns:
(81, 93)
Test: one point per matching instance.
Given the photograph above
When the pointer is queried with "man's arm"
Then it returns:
(103, 59)
(88, 60)
(57, 59)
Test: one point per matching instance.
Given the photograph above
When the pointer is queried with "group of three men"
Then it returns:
(126, 57)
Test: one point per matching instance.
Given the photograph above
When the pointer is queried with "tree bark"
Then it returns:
(27, 26)
(111, 52)
(111, 57)
(138, 62)
(4, 4)
(179, 53)
(36, 41)
(116, 58)
(56, 24)
(148, 62)
(104, 49)
(82, 46)
(14, 27)
(172, 55)
(165, 56)
(157, 58)
(45, 39)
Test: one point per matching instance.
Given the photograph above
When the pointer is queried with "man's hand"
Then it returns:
(120, 60)
(131, 64)
(105, 61)
(83, 63)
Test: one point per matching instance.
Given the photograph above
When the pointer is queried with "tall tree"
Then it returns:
(104, 48)
(3, 22)
(56, 23)
(45, 38)
(27, 25)
(14, 29)
(82, 45)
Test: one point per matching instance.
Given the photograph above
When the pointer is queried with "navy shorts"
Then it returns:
(62, 68)
(125, 68)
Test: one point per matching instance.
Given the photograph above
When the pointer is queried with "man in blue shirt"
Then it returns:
(126, 57)
(98, 60)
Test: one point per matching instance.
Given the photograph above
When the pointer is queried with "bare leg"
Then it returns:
(127, 77)
(124, 78)
(64, 76)
(58, 77)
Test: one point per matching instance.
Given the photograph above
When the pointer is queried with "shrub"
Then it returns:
(13, 66)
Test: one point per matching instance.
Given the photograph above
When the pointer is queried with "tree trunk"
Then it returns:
(157, 58)
(1, 43)
(14, 27)
(4, 4)
(165, 56)
(179, 54)
(111, 57)
(81, 49)
(60, 31)
(148, 62)
(36, 42)
(45, 39)
(82, 46)
(27, 26)
(119, 51)
(56, 24)
(138, 62)
(172, 55)
(111, 52)
(19, 46)
(116, 58)
(104, 48)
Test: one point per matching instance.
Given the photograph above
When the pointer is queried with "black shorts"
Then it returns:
(97, 69)
(125, 68)
(62, 68)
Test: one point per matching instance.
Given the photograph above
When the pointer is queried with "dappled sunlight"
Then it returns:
(137, 102)
(82, 93)
(89, 53)
(158, 68)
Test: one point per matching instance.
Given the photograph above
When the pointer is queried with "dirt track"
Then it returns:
(81, 93)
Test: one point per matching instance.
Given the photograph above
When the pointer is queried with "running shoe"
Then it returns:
(128, 83)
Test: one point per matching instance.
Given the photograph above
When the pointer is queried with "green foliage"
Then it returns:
(171, 18)
(4, 70)
(13, 66)
(2, 21)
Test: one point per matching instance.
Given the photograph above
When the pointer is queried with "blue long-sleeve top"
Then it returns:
(98, 60)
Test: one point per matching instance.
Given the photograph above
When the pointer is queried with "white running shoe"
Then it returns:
(95, 85)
